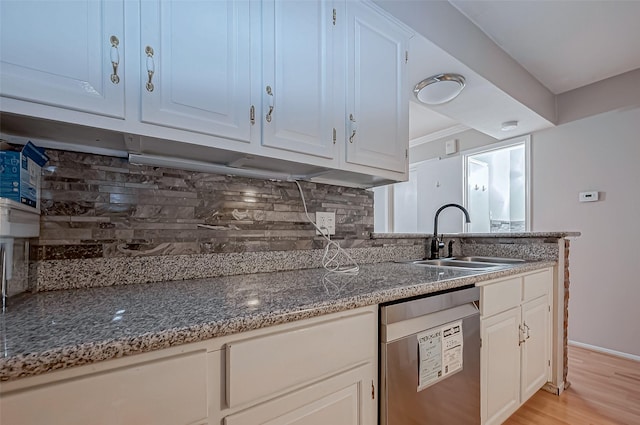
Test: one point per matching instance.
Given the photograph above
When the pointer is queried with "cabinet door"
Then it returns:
(535, 349)
(261, 367)
(344, 399)
(299, 108)
(196, 56)
(377, 119)
(500, 366)
(60, 53)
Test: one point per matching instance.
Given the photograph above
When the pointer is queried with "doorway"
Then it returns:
(496, 187)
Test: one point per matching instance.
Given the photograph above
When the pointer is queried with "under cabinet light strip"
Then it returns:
(206, 167)
(64, 146)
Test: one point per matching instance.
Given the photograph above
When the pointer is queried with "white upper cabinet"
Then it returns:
(299, 110)
(310, 87)
(195, 66)
(66, 54)
(377, 121)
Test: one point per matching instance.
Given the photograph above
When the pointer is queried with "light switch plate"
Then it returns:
(451, 146)
(326, 220)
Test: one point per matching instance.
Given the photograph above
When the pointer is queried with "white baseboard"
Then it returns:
(605, 350)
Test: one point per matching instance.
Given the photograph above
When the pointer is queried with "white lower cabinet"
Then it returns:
(317, 372)
(515, 328)
(500, 366)
(536, 347)
(314, 371)
(165, 391)
(337, 400)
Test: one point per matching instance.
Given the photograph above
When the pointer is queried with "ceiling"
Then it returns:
(564, 44)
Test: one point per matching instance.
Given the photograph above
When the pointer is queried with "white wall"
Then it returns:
(431, 184)
(381, 209)
(499, 183)
(517, 181)
(598, 153)
(440, 183)
(405, 204)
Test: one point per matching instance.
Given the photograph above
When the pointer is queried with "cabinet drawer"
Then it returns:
(536, 285)
(170, 391)
(263, 366)
(500, 296)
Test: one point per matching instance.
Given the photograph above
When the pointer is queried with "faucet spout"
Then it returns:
(437, 244)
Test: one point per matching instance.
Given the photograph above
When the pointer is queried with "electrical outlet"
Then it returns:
(326, 220)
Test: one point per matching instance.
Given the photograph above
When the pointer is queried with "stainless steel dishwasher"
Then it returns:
(430, 360)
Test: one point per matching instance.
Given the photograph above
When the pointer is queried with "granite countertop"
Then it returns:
(60, 329)
(521, 235)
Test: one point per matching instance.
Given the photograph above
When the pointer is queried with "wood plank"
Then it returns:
(605, 390)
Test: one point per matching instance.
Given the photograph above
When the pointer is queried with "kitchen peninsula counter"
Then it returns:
(60, 329)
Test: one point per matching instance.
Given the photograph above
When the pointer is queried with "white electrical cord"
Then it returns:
(331, 261)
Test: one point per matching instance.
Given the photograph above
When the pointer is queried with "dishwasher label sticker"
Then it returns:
(429, 358)
(452, 348)
(440, 353)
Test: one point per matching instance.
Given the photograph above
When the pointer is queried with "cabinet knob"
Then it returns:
(151, 66)
(115, 58)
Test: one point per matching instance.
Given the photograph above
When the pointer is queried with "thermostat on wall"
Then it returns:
(588, 196)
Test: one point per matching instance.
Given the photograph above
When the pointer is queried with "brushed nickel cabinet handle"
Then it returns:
(270, 93)
(115, 58)
(354, 128)
(150, 68)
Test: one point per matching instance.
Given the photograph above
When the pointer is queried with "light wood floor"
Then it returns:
(604, 390)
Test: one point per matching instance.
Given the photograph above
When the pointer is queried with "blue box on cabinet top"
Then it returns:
(20, 173)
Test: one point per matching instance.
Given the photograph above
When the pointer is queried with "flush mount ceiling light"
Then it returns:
(439, 89)
(509, 125)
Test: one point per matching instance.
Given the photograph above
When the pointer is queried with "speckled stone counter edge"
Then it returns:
(97, 272)
(61, 358)
(476, 235)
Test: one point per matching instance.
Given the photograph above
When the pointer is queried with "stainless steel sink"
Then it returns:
(476, 263)
(494, 260)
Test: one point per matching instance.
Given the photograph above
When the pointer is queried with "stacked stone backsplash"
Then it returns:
(107, 222)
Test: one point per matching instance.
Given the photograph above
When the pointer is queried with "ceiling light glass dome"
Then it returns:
(439, 89)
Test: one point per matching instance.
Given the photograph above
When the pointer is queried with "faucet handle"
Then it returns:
(450, 248)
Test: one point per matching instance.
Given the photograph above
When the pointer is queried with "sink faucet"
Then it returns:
(436, 243)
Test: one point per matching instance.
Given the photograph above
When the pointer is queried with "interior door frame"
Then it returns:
(524, 139)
